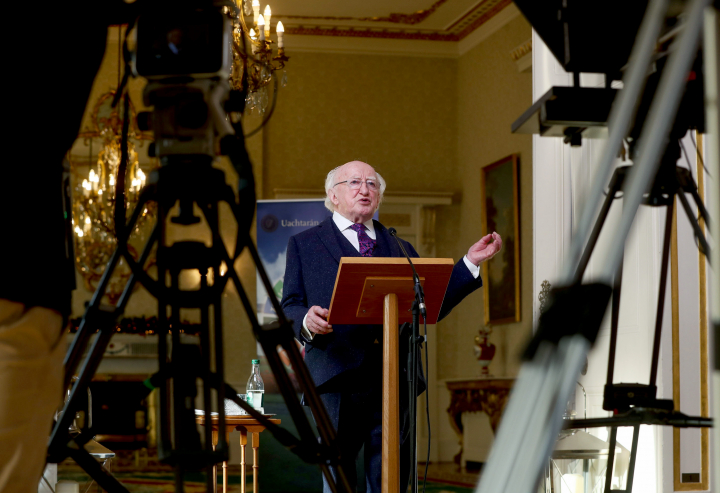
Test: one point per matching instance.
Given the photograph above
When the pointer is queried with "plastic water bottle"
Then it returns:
(255, 387)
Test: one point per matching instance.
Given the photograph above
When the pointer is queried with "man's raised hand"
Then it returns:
(316, 320)
(485, 249)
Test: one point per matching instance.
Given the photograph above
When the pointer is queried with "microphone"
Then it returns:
(418, 287)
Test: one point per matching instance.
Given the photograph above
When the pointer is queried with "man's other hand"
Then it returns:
(316, 320)
(485, 249)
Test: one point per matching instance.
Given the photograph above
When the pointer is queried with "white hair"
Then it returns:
(330, 182)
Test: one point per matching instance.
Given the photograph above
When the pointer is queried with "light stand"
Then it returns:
(636, 404)
(568, 329)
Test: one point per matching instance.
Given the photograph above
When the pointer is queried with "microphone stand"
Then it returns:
(418, 308)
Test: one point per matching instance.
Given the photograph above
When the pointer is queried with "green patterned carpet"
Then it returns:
(163, 482)
(281, 470)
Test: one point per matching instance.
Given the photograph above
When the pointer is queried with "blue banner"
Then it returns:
(277, 221)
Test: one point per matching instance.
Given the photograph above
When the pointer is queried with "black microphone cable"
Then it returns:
(421, 304)
(416, 279)
(427, 403)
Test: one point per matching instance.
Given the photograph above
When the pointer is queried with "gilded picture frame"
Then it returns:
(500, 199)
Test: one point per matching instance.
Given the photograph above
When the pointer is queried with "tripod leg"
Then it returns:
(164, 443)
(661, 291)
(101, 475)
(179, 484)
(210, 477)
(181, 438)
(617, 287)
(84, 333)
(205, 355)
(222, 445)
(130, 285)
(615, 317)
(614, 188)
(80, 341)
(701, 207)
(211, 215)
(633, 456)
(94, 317)
(327, 433)
(92, 320)
(693, 222)
(611, 459)
(324, 426)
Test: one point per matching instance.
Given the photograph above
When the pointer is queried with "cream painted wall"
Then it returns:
(491, 95)
(396, 113)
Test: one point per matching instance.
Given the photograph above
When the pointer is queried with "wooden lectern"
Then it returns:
(378, 290)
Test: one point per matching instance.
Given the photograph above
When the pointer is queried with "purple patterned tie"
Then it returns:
(367, 244)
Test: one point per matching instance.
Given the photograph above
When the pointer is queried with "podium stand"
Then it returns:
(378, 290)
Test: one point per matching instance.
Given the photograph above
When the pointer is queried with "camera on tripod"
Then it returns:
(183, 49)
(185, 54)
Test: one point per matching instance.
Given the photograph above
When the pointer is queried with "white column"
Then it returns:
(561, 178)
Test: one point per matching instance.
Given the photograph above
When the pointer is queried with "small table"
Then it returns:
(245, 425)
(487, 395)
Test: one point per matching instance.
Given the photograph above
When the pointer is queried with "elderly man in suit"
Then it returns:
(345, 361)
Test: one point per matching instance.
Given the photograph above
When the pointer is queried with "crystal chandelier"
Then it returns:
(253, 71)
(94, 195)
(256, 58)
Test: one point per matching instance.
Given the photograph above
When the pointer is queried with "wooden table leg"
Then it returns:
(243, 443)
(214, 472)
(225, 463)
(256, 460)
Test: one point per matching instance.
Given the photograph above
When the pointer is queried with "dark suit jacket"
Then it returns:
(313, 258)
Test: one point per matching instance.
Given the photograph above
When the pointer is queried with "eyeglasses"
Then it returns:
(356, 183)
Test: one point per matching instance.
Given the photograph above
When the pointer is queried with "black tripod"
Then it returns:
(634, 403)
(192, 181)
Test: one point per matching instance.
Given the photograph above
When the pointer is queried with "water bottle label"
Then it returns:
(255, 399)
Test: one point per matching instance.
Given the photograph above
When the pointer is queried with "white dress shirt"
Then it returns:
(343, 225)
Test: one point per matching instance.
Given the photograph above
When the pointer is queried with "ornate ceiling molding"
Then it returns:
(370, 33)
(412, 19)
(519, 52)
(481, 13)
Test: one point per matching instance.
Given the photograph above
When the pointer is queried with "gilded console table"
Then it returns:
(486, 395)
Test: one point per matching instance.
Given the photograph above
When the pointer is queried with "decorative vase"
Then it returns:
(484, 352)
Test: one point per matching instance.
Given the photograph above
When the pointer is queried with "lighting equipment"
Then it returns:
(570, 325)
(576, 33)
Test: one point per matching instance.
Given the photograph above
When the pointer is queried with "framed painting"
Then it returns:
(499, 189)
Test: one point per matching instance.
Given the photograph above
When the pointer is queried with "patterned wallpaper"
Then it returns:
(397, 113)
(492, 94)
